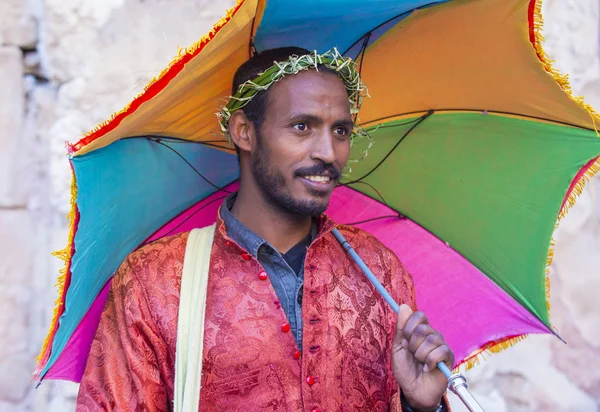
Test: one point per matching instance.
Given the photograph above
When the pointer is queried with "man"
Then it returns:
(291, 322)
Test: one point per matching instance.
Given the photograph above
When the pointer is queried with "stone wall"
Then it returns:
(66, 64)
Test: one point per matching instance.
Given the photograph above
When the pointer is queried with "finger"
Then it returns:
(404, 313)
(431, 342)
(440, 354)
(397, 343)
(413, 321)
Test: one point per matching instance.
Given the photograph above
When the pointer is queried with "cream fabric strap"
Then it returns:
(190, 321)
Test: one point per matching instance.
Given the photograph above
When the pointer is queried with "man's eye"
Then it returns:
(301, 127)
(342, 131)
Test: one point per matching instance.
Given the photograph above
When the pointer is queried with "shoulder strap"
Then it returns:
(190, 320)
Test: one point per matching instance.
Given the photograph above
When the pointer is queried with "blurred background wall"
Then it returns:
(65, 65)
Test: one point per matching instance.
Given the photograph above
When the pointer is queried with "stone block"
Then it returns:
(16, 247)
(12, 108)
(15, 307)
(17, 25)
(15, 378)
(527, 380)
(591, 91)
(16, 304)
(16, 300)
(571, 33)
(127, 50)
(55, 396)
(41, 104)
(577, 263)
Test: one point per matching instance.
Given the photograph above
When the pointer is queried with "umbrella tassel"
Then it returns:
(586, 174)
(62, 282)
(456, 382)
(592, 169)
(536, 25)
(493, 347)
(549, 261)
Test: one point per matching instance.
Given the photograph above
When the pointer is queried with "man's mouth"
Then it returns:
(319, 185)
(318, 179)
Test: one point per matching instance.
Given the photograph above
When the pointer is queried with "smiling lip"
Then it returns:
(318, 182)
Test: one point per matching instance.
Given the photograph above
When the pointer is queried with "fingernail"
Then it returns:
(404, 343)
(426, 369)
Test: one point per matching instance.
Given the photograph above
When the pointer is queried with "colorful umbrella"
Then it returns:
(479, 149)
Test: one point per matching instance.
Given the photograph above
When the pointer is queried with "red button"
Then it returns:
(263, 276)
(297, 354)
(285, 327)
(310, 380)
(316, 410)
(246, 256)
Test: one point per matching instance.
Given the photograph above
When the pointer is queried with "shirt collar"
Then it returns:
(230, 227)
(237, 231)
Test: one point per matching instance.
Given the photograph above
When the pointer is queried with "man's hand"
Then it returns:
(416, 351)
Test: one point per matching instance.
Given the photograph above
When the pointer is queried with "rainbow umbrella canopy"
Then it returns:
(479, 148)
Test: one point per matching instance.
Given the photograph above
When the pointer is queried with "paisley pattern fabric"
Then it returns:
(250, 359)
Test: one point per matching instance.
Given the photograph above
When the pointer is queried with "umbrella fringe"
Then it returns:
(155, 85)
(481, 354)
(578, 187)
(589, 171)
(63, 281)
(549, 260)
(536, 24)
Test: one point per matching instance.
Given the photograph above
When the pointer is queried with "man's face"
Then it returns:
(304, 142)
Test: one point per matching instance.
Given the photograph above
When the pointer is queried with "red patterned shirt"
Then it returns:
(250, 359)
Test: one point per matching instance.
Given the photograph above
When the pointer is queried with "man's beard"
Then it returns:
(272, 184)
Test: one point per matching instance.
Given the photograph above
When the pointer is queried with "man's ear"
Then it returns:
(242, 131)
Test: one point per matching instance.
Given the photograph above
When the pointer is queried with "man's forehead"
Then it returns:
(310, 88)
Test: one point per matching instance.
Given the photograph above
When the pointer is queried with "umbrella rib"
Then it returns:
(158, 141)
(389, 20)
(207, 143)
(413, 127)
(378, 194)
(252, 50)
(187, 218)
(363, 51)
(482, 111)
(397, 216)
(387, 126)
(204, 142)
(170, 139)
(373, 219)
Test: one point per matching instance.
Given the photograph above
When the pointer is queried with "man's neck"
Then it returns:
(280, 229)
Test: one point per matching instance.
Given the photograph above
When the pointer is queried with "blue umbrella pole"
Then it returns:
(456, 382)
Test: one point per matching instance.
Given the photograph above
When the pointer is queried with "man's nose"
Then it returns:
(323, 148)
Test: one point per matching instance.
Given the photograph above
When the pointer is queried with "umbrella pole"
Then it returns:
(456, 382)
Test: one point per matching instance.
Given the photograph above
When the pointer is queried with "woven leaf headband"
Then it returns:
(345, 68)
